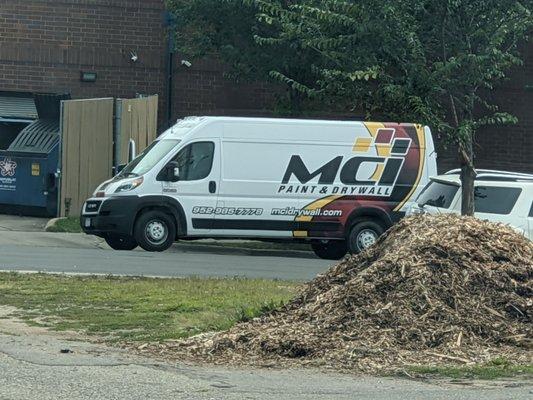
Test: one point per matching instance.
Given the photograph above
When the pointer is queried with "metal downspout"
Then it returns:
(116, 134)
(170, 22)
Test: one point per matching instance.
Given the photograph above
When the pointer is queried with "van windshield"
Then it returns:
(149, 158)
(438, 194)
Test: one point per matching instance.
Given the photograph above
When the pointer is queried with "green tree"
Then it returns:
(229, 30)
(428, 61)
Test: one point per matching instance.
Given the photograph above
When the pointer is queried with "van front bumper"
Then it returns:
(101, 217)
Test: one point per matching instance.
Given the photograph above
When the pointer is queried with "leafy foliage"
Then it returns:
(420, 60)
(429, 61)
(243, 36)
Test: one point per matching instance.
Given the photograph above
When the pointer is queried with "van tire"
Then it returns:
(121, 242)
(363, 234)
(155, 231)
(330, 250)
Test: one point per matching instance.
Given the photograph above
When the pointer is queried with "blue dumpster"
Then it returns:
(29, 167)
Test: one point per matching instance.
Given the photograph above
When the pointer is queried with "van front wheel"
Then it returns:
(155, 231)
(330, 249)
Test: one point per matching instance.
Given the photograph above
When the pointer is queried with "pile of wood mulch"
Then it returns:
(434, 290)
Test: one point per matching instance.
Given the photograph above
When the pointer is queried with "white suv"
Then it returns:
(504, 197)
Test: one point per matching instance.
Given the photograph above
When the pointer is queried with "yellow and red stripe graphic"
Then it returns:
(382, 137)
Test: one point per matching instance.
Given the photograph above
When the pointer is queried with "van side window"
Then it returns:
(495, 200)
(531, 210)
(195, 161)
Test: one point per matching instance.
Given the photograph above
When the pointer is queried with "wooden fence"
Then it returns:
(138, 122)
(86, 150)
(89, 129)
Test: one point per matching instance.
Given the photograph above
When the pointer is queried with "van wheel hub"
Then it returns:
(156, 232)
(366, 238)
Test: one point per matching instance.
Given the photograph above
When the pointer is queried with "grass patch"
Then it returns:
(140, 309)
(495, 369)
(67, 225)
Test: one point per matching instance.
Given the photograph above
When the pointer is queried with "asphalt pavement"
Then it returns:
(202, 262)
(25, 247)
(33, 367)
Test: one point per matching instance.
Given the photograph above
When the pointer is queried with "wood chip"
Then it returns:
(463, 294)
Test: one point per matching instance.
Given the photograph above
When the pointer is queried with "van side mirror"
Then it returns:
(172, 172)
(118, 169)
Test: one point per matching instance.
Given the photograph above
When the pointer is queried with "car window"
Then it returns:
(495, 200)
(438, 194)
(531, 210)
(195, 161)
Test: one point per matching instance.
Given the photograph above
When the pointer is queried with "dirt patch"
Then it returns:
(10, 324)
(434, 290)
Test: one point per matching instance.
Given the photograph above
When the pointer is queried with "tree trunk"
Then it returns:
(468, 177)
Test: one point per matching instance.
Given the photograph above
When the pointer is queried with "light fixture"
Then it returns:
(88, 76)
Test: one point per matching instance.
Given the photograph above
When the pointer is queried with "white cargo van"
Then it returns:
(335, 184)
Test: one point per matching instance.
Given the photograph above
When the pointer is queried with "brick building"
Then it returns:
(45, 45)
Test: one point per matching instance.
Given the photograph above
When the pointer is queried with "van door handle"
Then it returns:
(212, 187)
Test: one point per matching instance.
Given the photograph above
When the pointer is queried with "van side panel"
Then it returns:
(390, 187)
(251, 173)
(308, 180)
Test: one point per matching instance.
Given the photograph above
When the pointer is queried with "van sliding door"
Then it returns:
(250, 203)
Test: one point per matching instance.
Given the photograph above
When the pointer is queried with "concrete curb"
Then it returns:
(52, 223)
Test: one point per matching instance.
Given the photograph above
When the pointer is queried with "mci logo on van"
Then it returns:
(342, 174)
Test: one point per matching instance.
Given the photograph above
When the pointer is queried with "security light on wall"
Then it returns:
(186, 63)
(88, 76)
(133, 56)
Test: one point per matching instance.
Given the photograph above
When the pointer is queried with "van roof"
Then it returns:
(186, 126)
(199, 119)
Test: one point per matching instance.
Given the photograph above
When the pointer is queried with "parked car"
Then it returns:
(500, 196)
(335, 184)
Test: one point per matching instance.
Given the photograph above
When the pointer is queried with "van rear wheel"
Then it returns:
(330, 249)
(364, 234)
(120, 242)
(155, 231)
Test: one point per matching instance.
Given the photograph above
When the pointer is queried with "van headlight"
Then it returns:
(130, 185)
(101, 189)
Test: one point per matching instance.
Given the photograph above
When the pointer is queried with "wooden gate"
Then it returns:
(137, 121)
(88, 130)
(86, 150)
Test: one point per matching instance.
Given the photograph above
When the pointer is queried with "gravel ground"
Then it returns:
(32, 366)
